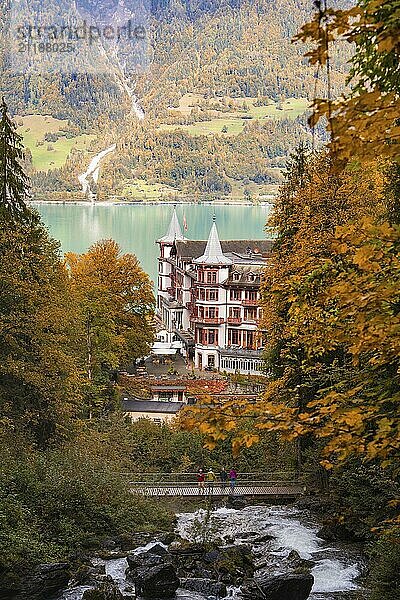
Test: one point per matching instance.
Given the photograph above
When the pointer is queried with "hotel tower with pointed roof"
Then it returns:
(208, 298)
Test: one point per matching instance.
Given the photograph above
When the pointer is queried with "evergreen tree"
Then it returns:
(14, 184)
(38, 376)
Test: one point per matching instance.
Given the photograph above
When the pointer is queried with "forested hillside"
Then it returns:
(227, 74)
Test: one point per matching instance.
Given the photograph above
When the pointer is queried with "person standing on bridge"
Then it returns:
(210, 480)
(233, 477)
(223, 477)
(201, 477)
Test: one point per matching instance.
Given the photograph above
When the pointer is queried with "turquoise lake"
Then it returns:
(136, 227)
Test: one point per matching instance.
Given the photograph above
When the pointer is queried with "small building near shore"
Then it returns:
(155, 410)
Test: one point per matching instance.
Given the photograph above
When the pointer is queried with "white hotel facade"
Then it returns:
(209, 299)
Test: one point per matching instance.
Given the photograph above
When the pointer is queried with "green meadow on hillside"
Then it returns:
(241, 112)
(48, 155)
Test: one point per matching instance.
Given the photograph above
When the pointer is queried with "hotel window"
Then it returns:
(160, 267)
(212, 295)
(213, 337)
(235, 276)
(234, 337)
(211, 277)
(236, 294)
(253, 296)
(250, 314)
(250, 340)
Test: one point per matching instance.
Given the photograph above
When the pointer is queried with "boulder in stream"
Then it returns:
(158, 582)
(45, 582)
(236, 502)
(206, 587)
(141, 561)
(229, 564)
(153, 573)
(301, 565)
(108, 590)
(279, 587)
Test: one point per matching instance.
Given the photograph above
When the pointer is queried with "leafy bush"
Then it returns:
(385, 567)
(62, 502)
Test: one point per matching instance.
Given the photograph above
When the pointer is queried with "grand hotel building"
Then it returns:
(208, 298)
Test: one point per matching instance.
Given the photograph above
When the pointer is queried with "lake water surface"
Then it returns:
(136, 227)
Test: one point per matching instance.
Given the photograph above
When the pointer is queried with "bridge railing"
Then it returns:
(191, 478)
(248, 488)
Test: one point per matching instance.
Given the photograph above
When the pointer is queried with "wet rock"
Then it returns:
(228, 564)
(335, 532)
(45, 582)
(139, 561)
(167, 538)
(236, 502)
(266, 537)
(160, 581)
(153, 573)
(88, 574)
(228, 539)
(158, 549)
(298, 563)
(108, 590)
(279, 587)
(205, 586)
(244, 535)
(128, 541)
(186, 548)
(212, 556)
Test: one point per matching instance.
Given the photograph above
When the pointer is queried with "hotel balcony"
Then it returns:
(239, 351)
(234, 320)
(207, 320)
(248, 302)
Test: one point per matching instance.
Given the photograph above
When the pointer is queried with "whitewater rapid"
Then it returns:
(336, 568)
(335, 571)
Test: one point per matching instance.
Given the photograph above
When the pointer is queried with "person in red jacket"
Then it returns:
(201, 478)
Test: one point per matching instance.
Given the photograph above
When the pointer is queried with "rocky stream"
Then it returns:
(250, 553)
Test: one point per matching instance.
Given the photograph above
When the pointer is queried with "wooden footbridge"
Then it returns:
(284, 485)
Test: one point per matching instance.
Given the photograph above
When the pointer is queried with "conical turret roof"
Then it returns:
(174, 231)
(213, 254)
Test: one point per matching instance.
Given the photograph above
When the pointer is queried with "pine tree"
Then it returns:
(14, 184)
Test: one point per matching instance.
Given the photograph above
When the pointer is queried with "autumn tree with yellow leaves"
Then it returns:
(115, 303)
(331, 296)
